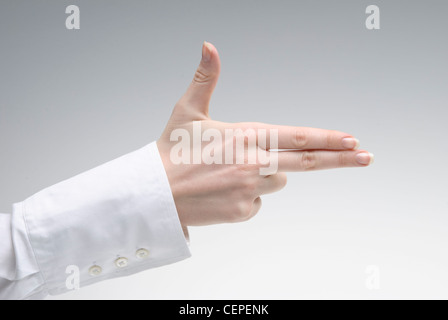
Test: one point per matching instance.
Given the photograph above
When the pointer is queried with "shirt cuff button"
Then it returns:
(121, 262)
(95, 271)
(142, 253)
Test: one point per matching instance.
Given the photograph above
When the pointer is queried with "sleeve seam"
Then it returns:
(41, 273)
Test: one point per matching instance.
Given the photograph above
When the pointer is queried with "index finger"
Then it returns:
(304, 138)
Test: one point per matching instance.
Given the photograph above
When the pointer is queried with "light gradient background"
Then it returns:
(72, 100)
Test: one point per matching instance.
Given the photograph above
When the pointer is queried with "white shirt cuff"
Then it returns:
(112, 221)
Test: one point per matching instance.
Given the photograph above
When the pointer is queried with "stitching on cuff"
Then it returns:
(41, 272)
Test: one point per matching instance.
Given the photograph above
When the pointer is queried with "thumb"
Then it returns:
(199, 93)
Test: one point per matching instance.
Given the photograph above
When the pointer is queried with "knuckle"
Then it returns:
(201, 77)
(246, 179)
(342, 159)
(247, 170)
(308, 160)
(328, 141)
(300, 139)
(248, 186)
(251, 186)
(283, 180)
(242, 211)
(331, 140)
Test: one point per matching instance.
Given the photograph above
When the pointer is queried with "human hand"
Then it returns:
(212, 193)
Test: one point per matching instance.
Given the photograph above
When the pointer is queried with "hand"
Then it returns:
(218, 193)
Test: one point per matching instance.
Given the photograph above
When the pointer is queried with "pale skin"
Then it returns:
(212, 194)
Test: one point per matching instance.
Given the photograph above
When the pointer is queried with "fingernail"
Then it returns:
(365, 158)
(206, 52)
(350, 143)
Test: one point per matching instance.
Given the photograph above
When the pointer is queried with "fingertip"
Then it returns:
(207, 51)
(350, 143)
(372, 158)
(209, 46)
(210, 54)
(365, 158)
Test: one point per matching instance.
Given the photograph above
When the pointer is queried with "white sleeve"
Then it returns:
(112, 221)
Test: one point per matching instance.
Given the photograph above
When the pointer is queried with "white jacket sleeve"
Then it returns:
(112, 221)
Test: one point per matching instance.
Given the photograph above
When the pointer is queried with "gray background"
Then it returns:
(71, 100)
